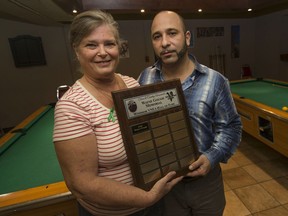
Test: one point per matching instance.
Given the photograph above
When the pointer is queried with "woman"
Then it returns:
(87, 136)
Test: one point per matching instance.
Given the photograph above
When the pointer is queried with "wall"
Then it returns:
(271, 32)
(140, 46)
(23, 90)
(210, 45)
(137, 33)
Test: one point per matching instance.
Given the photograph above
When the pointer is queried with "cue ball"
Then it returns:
(284, 108)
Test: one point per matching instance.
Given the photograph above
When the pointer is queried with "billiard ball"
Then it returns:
(284, 108)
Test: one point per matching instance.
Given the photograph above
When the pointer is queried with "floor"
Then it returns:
(256, 181)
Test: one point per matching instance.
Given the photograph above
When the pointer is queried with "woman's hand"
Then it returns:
(163, 186)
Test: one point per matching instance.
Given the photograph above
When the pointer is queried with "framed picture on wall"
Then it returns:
(235, 41)
(124, 49)
(27, 51)
(210, 32)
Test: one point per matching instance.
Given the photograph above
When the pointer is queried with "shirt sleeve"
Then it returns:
(228, 128)
(71, 121)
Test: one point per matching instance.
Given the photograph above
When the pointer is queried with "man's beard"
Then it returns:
(179, 54)
(182, 52)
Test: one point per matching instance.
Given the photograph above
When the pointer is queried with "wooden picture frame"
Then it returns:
(27, 51)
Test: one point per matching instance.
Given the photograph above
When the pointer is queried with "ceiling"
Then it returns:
(57, 12)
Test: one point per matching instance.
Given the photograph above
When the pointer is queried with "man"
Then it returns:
(216, 125)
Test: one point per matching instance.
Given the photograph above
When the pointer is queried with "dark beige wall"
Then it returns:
(23, 90)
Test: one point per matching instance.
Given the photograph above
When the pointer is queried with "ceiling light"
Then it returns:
(249, 9)
(199, 10)
(142, 10)
(75, 11)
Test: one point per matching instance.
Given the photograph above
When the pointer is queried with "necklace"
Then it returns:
(108, 96)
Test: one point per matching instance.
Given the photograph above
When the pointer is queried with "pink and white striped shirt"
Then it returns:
(77, 114)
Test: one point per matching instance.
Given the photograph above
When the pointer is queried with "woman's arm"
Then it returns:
(78, 159)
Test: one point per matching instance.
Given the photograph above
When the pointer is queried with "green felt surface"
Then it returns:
(30, 160)
(272, 94)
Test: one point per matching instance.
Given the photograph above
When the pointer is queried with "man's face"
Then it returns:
(169, 40)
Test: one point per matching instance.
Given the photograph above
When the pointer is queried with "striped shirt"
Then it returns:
(77, 114)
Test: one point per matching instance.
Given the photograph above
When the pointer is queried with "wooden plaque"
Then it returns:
(156, 131)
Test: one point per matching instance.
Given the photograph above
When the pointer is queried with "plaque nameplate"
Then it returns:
(156, 131)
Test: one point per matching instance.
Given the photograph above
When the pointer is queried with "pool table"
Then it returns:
(31, 181)
(259, 103)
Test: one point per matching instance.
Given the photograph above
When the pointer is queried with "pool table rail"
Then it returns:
(29, 198)
(283, 115)
(267, 124)
(12, 135)
(43, 200)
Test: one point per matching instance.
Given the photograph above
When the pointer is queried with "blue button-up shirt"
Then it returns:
(216, 124)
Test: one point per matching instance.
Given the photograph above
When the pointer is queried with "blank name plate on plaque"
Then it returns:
(156, 131)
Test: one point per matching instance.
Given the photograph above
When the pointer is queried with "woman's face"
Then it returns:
(98, 53)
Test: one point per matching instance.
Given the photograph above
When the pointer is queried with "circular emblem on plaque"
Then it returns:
(132, 106)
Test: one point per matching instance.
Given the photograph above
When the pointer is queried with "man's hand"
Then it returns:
(199, 167)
